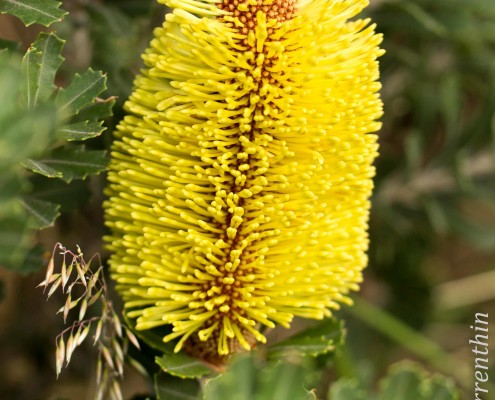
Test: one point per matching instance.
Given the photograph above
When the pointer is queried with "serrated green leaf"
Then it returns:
(238, 380)
(281, 382)
(319, 339)
(96, 111)
(247, 378)
(182, 365)
(41, 64)
(171, 388)
(81, 92)
(68, 195)
(73, 164)
(42, 213)
(81, 130)
(31, 67)
(41, 168)
(442, 388)
(346, 389)
(404, 382)
(409, 381)
(44, 12)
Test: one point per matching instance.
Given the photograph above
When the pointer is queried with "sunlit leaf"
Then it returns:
(41, 168)
(72, 163)
(182, 365)
(44, 12)
(81, 91)
(41, 64)
(81, 130)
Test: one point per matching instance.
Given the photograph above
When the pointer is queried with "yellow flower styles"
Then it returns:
(239, 184)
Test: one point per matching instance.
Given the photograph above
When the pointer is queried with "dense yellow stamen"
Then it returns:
(239, 182)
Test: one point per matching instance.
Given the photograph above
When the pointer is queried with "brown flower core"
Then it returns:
(245, 11)
(232, 282)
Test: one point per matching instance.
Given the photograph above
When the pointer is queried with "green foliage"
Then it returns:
(249, 379)
(168, 387)
(44, 12)
(346, 389)
(182, 366)
(405, 381)
(43, 213)
(69, 163)
(17, 142)
(40, 65)
(38, 120)
(178, 365)
(314, 341)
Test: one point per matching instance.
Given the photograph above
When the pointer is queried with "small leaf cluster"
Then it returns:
(248, 378)
(41, 126)
(404, 381)
(182, 377)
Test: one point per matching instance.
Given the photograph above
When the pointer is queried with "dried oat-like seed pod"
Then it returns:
(239, 184)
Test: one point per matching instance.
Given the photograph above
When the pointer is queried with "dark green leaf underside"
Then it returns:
(42, 213)
(171, 388)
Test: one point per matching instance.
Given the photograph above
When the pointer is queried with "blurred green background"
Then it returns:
(433, 217)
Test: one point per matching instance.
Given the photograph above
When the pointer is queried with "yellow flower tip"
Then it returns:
(239, 184)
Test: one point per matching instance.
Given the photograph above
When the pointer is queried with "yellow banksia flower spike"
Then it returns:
(239, 184)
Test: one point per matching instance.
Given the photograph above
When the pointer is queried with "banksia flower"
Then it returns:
(240, 179)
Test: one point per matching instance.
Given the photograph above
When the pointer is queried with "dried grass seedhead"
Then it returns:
(84, 286)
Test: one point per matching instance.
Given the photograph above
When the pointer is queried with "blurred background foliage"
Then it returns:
(432, 224)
